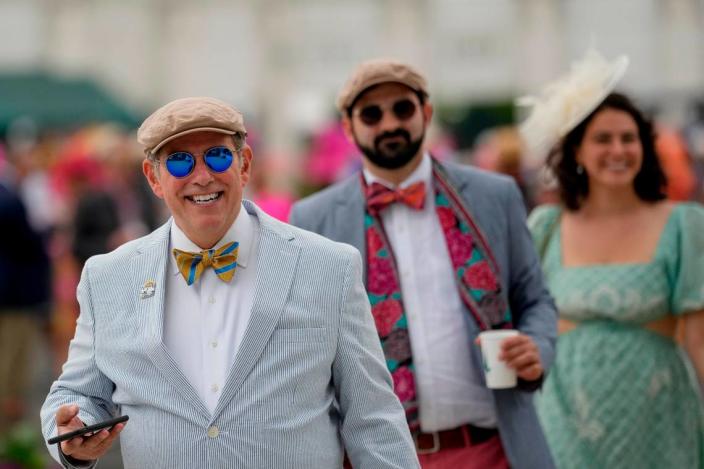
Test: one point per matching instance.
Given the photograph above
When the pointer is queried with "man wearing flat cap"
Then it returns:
(446, 256)
(230, 339)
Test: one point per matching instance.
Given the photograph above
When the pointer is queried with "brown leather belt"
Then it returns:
(460, 437)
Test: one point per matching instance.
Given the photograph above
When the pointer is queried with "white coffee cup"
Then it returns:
(498, 375)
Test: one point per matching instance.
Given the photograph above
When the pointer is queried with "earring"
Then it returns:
(580, 169)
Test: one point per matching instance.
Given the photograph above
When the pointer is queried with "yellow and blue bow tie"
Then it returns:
(223, 260)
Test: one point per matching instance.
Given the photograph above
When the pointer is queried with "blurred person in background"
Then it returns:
(329, 159)
(99, 204)
(121, 158)
(626, 268)
(24, 302)
(87, 224)
(269, 359)
(30, 155)
(33, 158)
(694, 134)
(269, 188)
(95, 222)
(501, 150)
(676, 163)
(452, 258)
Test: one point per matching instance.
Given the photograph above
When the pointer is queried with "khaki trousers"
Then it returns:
(18, 333)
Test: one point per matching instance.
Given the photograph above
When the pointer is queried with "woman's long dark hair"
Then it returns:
(649, 183)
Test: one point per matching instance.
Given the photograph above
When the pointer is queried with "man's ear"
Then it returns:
(427, 112)
(245, 164)
(347, 128)
(152, 175)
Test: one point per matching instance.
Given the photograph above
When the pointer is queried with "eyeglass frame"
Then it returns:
(238, 138)
(384, 109)
(422, 98)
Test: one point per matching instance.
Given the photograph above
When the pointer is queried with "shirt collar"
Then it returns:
(242, 230)
(423, 172)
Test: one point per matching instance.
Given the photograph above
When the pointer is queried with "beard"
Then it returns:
(392, 154)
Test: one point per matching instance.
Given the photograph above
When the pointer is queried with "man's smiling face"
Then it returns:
(204, 204)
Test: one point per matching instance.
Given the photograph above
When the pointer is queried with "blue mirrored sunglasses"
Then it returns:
(181, 163)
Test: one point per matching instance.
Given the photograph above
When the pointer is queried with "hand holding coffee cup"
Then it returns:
(507, 355)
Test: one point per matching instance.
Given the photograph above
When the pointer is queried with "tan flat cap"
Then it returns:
(186, 116)
(375, 72)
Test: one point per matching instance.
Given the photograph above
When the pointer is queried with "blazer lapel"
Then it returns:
(348, 219)
(276, 265)
(461, 185)
(151, 264)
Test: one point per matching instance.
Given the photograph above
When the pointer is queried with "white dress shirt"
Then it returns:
(449, 387)
(204, 323)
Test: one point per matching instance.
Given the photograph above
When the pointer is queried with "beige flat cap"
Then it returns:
(185, 116)
(375, 72)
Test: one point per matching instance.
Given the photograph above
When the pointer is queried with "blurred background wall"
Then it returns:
(282, 62)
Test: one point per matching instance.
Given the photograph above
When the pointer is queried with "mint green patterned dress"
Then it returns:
(619, 395)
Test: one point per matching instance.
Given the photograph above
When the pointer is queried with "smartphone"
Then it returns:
(89, 429)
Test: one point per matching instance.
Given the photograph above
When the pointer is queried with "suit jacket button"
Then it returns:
(213, 432)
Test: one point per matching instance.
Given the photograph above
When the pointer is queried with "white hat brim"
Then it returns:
(566, 102)
(619, 69)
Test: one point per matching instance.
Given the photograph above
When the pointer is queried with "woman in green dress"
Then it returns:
(626, 269)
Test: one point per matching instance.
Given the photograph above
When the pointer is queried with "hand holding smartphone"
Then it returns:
(90, 429)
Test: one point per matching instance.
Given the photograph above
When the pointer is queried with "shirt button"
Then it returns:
(213, 432)
(214, 388)
(211, 299)
(214, 344)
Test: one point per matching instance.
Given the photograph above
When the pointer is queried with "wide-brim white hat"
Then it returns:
(564, 103)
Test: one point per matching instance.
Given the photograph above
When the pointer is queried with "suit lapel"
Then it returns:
(277, 260)
(151, 264)
(348, 219)
(460, 184)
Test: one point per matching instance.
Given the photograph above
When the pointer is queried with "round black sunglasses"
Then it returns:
(403, 109)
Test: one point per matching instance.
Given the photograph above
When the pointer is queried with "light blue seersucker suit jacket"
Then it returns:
(308, 381)
(496, 204)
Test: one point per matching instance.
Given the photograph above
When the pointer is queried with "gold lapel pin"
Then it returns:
(148, 289)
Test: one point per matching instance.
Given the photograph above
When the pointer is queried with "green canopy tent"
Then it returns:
(58, 103)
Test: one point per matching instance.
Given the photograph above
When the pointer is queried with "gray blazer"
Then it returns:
(308, 380)
(496, 204)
